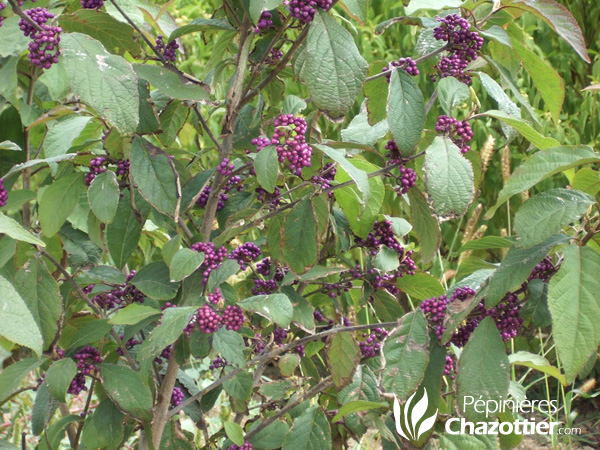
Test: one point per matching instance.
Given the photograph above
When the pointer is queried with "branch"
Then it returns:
(91, 304)
(206, 127)
(277, 352)
(323, 385)
(18, 11)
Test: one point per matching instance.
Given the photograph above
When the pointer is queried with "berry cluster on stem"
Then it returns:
(43, 47)
(459, 131)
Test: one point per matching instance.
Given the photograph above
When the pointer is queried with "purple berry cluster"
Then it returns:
(459, 131)
(335, 289)
(99, 165)
(264, 268)
(3, 194)
(279, 335)
(43, 48)
(131, 342)
(543, 270)
(462, 46)
(406, 180)
(126, 293)
(435, 308)
(245, 254)
(274, 57)
(217, 363)
(274, 199)
(394, 156)
(87, 360)
(325, 176)
(406, 64)
(233, 182)
(212, 257)
(214, 298)
(371, 346)
(169, 50)
(225, 167)
(164, 355)
(265, 21)
(233, 318)
(264, 287)
(257, 342)
(92, 4)
(382, 234)
(2, 6)
(304, 10)
(208, 320)
(247, 446)
(290, 141)
(449, 368)
(177, 396)
(96, 168)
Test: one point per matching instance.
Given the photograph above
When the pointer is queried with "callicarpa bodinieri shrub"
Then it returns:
(269, 224)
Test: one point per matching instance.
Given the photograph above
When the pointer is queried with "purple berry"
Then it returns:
(177, 396)
(459, 131)
(406, 64)
(92, 4)
(212, 257)
(169, 51)
(233, 318)
(43, 48)
(264, 22)
(3, 194)
(245, 253)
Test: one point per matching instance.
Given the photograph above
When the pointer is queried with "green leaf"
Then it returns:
(37, 162)
(547, 213)
(310, 431)
(386, 259)
(184, 263)
(334, 68)
(17, 324)
(452, 93)
(117, 37)
(515, 268)
(201, 24)
(13, 41)
(537, 362)
(9, 145)
(406, 111)
(275, 307)
(425, 225)
(358, 175)
(155, 176)
(5, 445)
(560, 19)
(361, 218)
(172, 323)
(536, 307)
(105, 427)
(300, 244)
(360, 131)
(13, 229)
(154, 281)
(132, 314)
(123, 233)
(542, 165)
(267, 168)
(220, 275)
(112, 91)
(127, 390)
(91, 332)
(257, 7)
(358, 9)
(40, 292)
(271, 437)
(103, 195)
(483, 370)
(293, 105)
(61, 135)
(416, 5)
(303, 310)
(575, 304)
(58, 202)
(357, 406)
(586, 180)
(486, 243)
(462, 442)
(240, 386)
(230, 346)
(498, 34)
(544, 77)
(43, 409)
(405, 355)
(234, 432)
(172, 120)
(421, 286)
(11, 376)
(448, 179)
(169, 83)
(343, 355)
(376, 93)
(386, 306)
(59, 376)
(504, 102)
(525, 129)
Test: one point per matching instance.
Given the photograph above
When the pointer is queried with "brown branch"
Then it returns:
(276, 352)
(206, 127)
(323, 385)
(90, 304)
(161, 411)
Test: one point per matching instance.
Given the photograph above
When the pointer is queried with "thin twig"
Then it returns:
(323, 385)
(206, 127)
(276, 352)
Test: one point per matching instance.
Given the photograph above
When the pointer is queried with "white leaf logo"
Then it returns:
(409, 428)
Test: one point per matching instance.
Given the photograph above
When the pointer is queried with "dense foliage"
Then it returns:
(254, 224)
